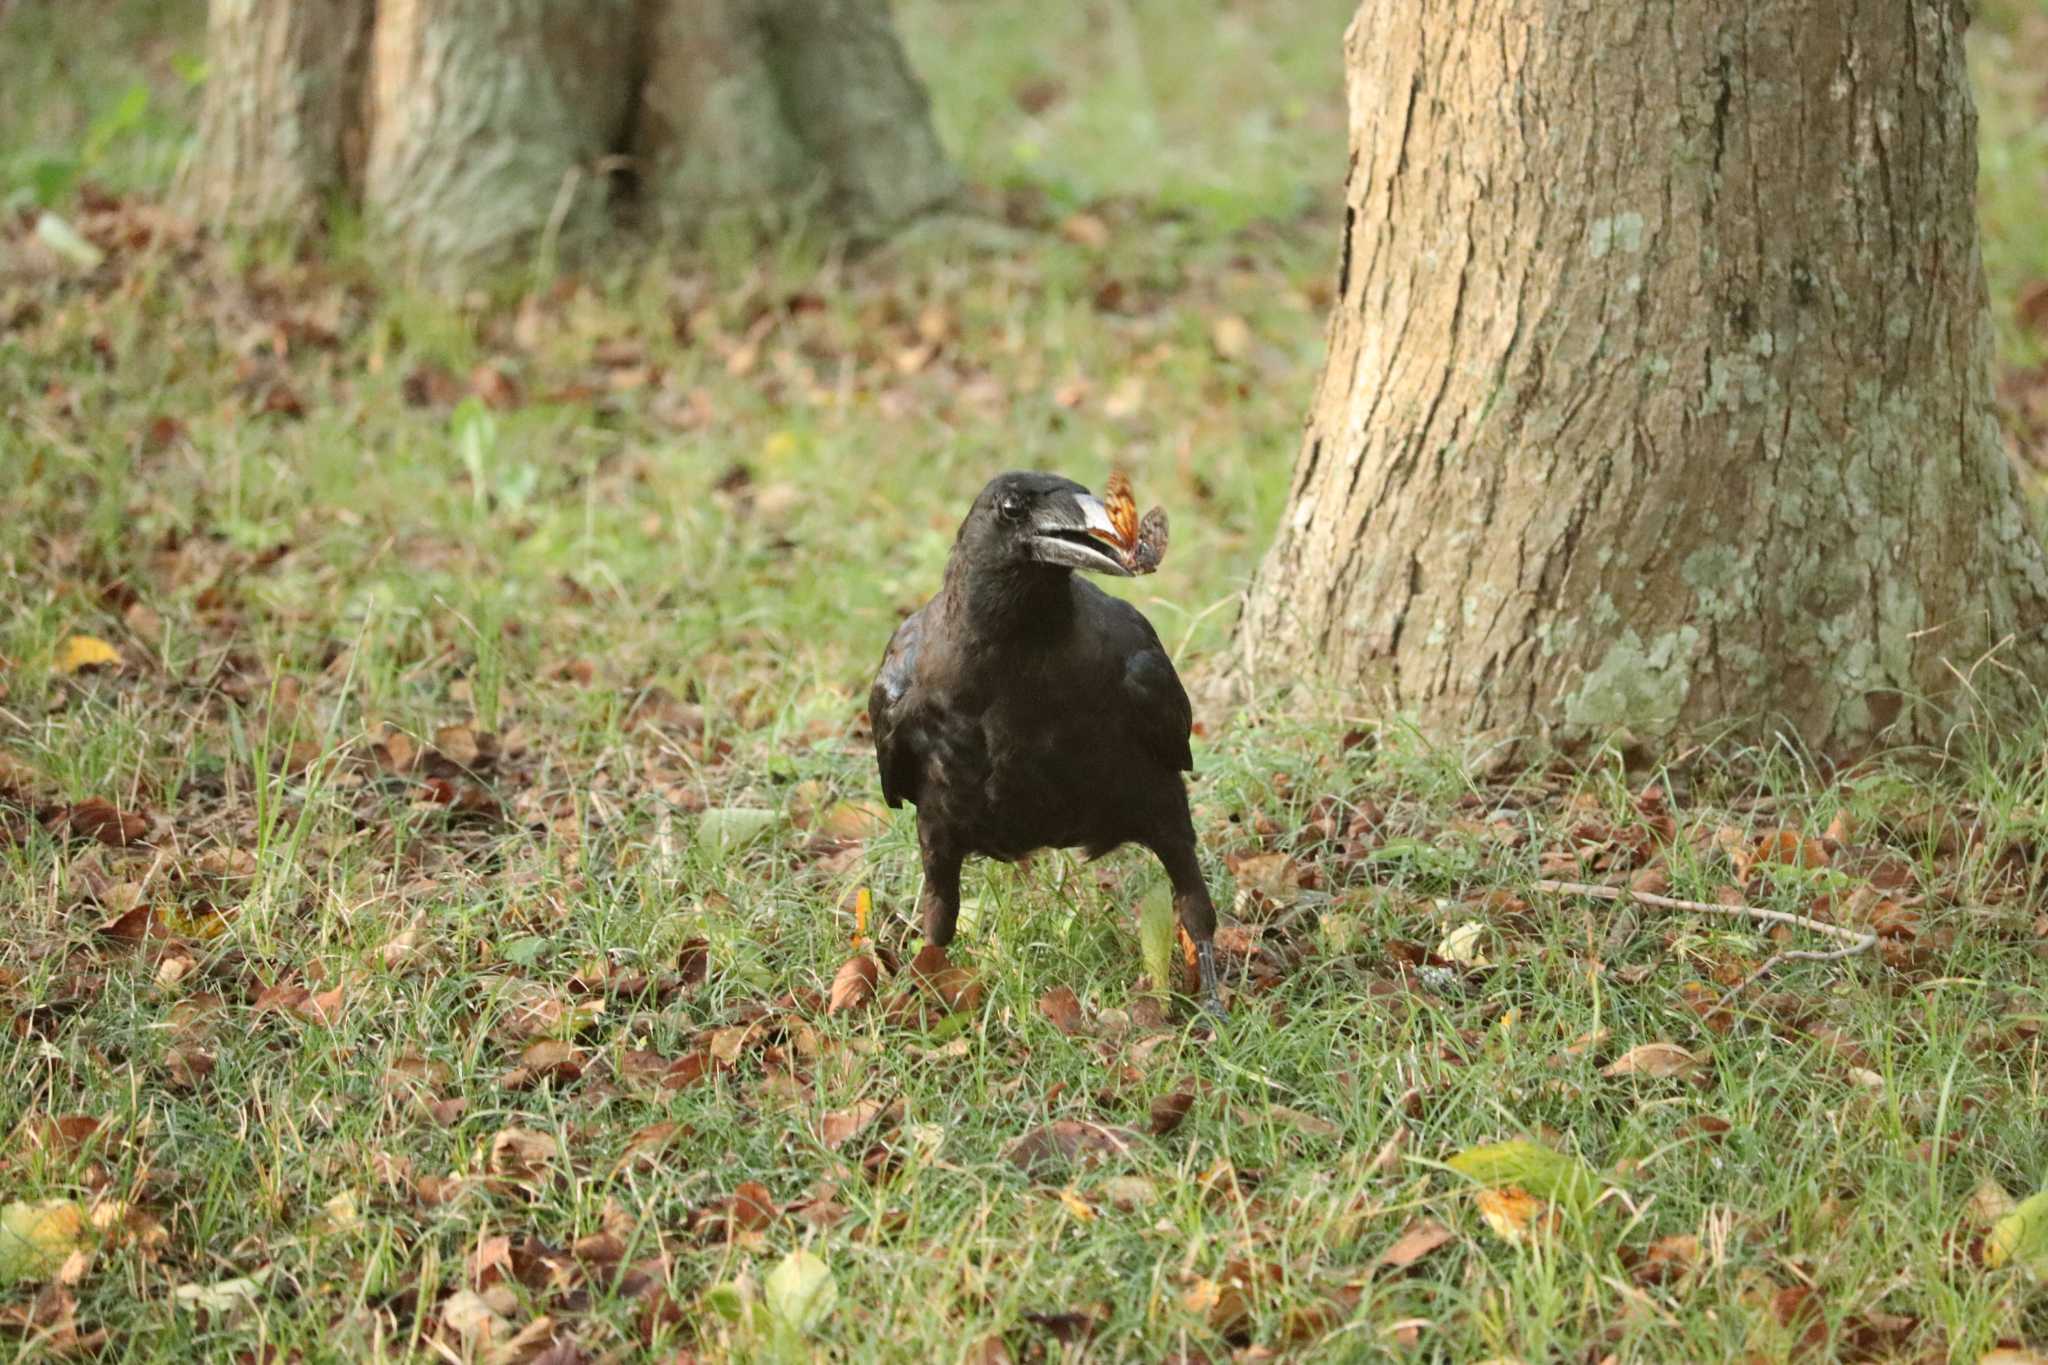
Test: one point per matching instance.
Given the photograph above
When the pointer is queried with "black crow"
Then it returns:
(1025, 708)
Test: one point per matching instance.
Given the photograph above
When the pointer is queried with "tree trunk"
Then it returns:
(1657, 398)
(473, 130)
(759, 103)
(489, 119)
(279, 128)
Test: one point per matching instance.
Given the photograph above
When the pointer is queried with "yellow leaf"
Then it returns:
(340, 1213)
(36, 1239)
(2021, 1237)
(81, 652)
(1508, 1211)
(1231, 336)
(1202, 1296)
(1462, 944)
(1156, 936)
(801, 1292)
(863, 906)
(1082, 1210)
(1549, 1174)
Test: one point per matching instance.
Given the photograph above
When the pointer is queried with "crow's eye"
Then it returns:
(1011, 508)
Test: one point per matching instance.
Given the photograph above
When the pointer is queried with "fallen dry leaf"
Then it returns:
(37, 1239)
(1168, 1111)
(1075, 1140)
(853, 985)
(1129, 1192)
(1655, 1059)
(80, 653)
(1668, 1259)
(1511, 1212)
(842, 1124)
(1063, 1007)
(1231, 336)
(1421, 1238)
(753, 1207)
(98, 818)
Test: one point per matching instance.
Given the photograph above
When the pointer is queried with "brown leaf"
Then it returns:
(852, 820)
(644, 1149)
(1421, 1238)
(494, 386)
(1086, 229)
(65, 1133)
(842, 1124)
(98, 818)
(133, 926)
(1798, 1308)
(1785, 847)
(187, 1064)
(1168, 1111)
(1272, 875)
(1310, 1124)
(956, 987)
(552, 1059)
(990, 1350)
(323, 1007)
(1654, 880)
(1668, 1259)
(522, 1155)
(1068, 1328)
(1063, 1007)
(458, 744)
(2031, 309)
(1708, 1126)
(753, 1207)
(430, 385)
(1075, 1140)
(688, 1069)
(854, 983)
(1654, 1059)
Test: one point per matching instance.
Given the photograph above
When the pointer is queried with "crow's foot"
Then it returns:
(1212, 994)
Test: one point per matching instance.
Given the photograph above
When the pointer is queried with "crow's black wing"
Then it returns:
(895, 751)
(1158, 704)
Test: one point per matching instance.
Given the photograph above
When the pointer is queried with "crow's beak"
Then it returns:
(1077, 533)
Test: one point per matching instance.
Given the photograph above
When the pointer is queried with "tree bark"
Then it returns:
(489, 118)
(1657, 399)
(473, 130)
(761, 103)
(278, 127)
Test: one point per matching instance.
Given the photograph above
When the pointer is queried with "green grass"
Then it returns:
(739, 523)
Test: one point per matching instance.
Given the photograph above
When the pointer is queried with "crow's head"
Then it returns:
(1024, 519)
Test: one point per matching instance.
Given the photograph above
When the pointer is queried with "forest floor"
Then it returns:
(435, 814)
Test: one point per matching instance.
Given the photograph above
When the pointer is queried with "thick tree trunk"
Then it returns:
(279, 129)
(489, 118)
(762, 103)
(1657, 392)
(473, 129)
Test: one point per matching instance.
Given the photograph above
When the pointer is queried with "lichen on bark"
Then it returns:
(1657, 393)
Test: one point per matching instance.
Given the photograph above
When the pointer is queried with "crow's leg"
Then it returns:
(941, 899)
(1196, 912)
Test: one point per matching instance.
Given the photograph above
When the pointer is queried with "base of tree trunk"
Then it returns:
(477, 130)
(1657, 403)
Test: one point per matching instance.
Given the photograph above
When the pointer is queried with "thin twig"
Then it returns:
(1858, 940)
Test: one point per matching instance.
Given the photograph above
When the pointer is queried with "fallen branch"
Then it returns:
(1858, 940)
